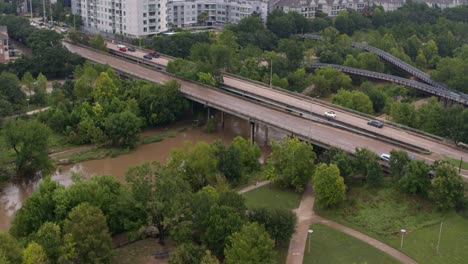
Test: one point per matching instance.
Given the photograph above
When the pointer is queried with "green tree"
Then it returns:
(329, 186)
(421, 61)
(279, 223)
(187, 253)
(38, 209)
(249, 153)
(29, 140)
(431, 117)
(416, 178)
(355, 100)
(68, 254)
(10, 93)
(403, 113)
(291, 163)
(294, 52)
(367, 164)
(40, 90)
(399, 160)
(97, 42)
(209, 259)
(88, 228)
(207, 79)
(413, 44)
(183, 68)
(10, 249)
(447, 187)
(328, 80)
(123, 129)
(370, 61)
(250, 245)
(197, 164)
(50, 238)
(28, 81)
(341, 159)
(221, 222)
(34, 254)
(104, 88)
(161, 195)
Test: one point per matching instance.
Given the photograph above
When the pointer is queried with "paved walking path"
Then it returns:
(253, 187)
(306, 217)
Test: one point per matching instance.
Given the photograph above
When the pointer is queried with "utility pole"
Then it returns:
(43, 11)
(31, 9)
(271, 71)
(51, 18)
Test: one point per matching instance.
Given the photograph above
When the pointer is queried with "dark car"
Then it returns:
(148, 57)
(132, 49)
(375, 123)
(154, 54)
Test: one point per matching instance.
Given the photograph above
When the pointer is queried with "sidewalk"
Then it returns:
(306, 216)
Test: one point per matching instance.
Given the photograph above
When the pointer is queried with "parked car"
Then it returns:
(385, 157)
(123, 49)
(375, 123)
(64, 30)
(154, 54)
(148, 57)
(132, 49)
(330, 114)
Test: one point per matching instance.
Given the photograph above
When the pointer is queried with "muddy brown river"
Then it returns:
(12, 195)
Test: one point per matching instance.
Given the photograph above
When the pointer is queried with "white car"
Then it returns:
(385, 157)
(330, 114)
(121, 46)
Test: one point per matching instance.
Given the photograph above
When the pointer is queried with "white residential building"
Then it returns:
(135, 18)
(308, 8)
(182, 13)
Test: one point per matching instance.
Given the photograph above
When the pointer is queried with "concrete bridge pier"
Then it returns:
(252, 132)
(222, 119)
(266, 135)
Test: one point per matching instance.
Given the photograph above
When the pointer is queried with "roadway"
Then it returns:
(297, 125)
(310, 106)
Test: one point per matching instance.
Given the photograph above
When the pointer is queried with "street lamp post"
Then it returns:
(309, 233)
(403, 232)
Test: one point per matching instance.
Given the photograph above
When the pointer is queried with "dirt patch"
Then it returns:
(141, 252)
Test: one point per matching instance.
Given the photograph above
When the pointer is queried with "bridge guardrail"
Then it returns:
(417, 132)
(357, 113)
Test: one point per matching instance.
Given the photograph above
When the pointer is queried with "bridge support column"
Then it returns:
(208, 119)
(266, 135)
(252, 132)
(222, 119)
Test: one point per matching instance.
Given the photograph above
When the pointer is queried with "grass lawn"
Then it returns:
(456, 163)
(421, 244)
(276, 197)
(381, 213)
(330, 246)
(141, 252)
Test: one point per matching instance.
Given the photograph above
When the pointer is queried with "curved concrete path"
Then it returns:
(306, 217)
(253, 187)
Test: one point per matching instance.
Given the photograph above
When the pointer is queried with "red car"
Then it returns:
(123, 49)
(154, 54)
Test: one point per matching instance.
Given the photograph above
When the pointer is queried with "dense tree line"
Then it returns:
(49, 56)
(206, 219)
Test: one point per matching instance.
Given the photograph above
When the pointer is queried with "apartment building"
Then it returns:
(136, 18)
(183, 13)
(4, 52)
(133, 18)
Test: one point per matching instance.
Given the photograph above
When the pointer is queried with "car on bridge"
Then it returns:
(375, 123)
(330, 115)
(132, 49)
(147, 56)
(385, 157)
(154, 54)
(123, 49)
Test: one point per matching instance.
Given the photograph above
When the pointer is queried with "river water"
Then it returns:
(12, 195)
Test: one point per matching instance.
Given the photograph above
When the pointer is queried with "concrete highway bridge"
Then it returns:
(295, 114)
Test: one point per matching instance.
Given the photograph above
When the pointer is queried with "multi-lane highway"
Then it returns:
(297, 125)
